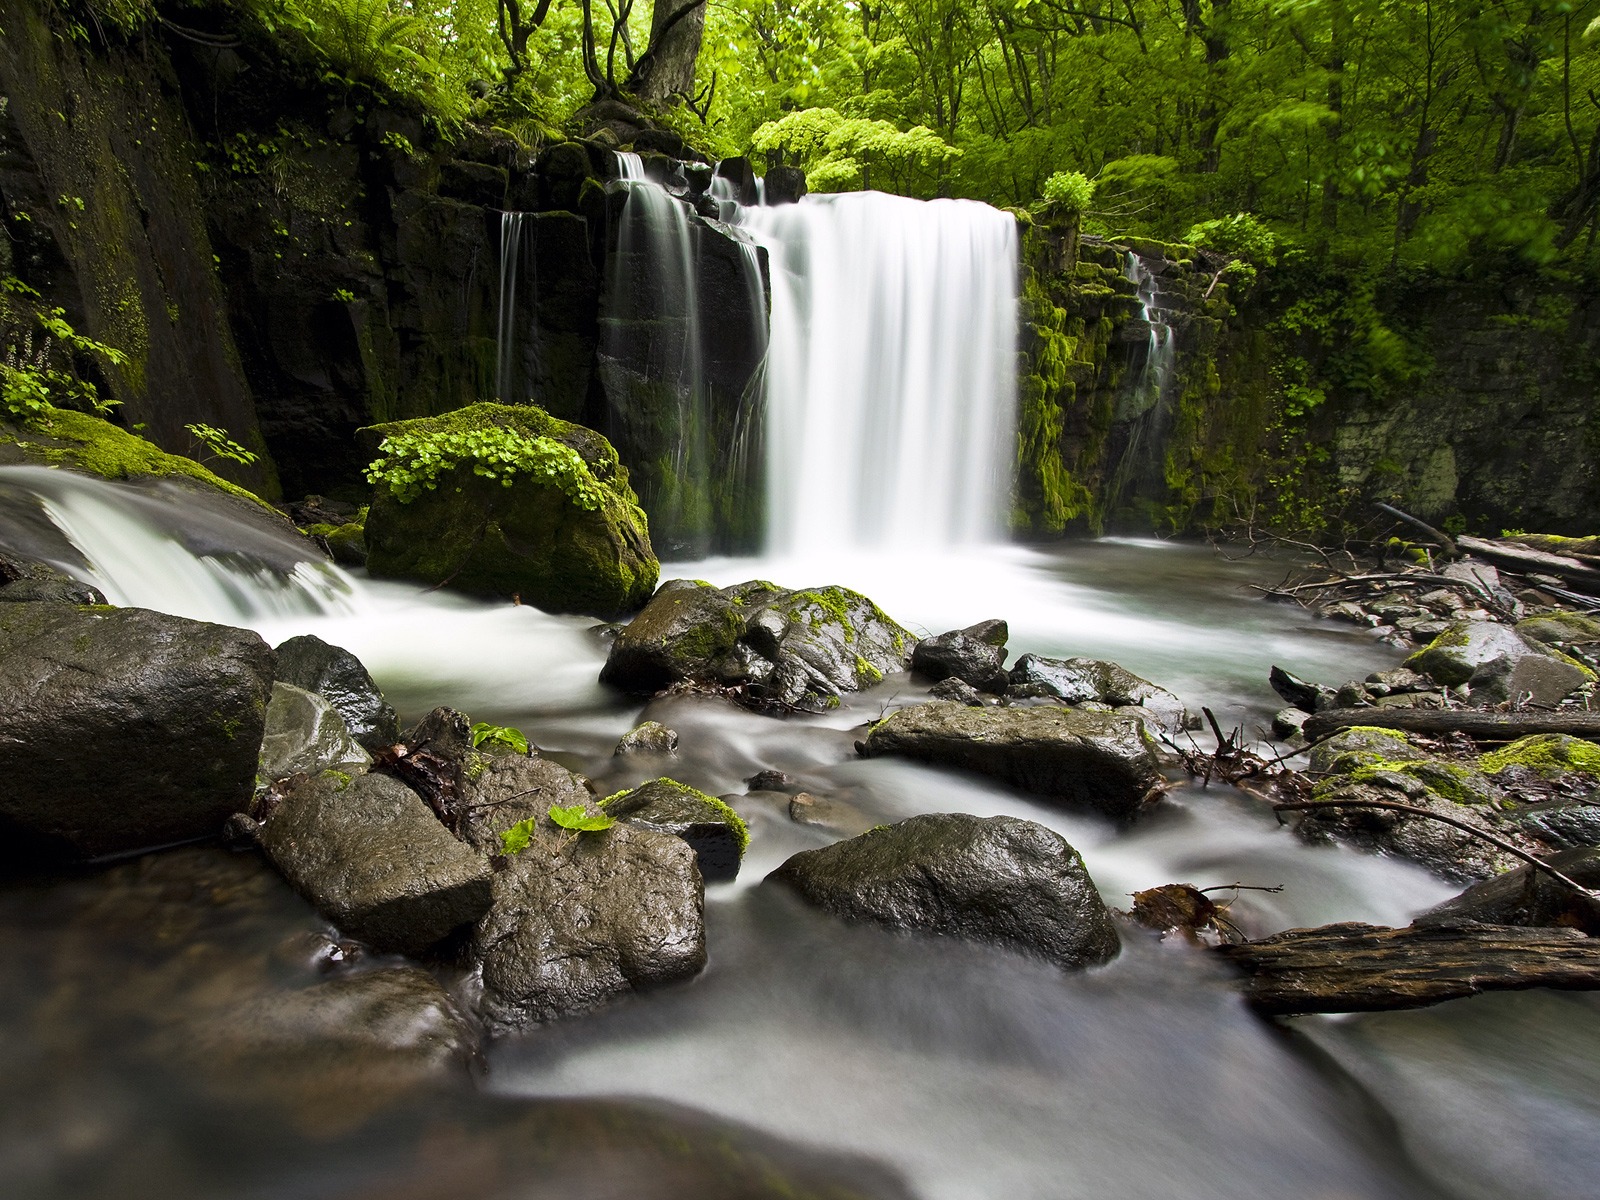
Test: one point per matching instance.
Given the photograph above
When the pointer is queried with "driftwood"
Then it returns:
(1525, 559)
(1476, 723)
(1367, 968)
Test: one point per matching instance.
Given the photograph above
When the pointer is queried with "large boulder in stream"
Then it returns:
(340, 678)
(1093, 680)
(500, 500)
(1499, 663)
(375, 860)
(976, 656)
(1000, 880)
(769, 646)
(1104, 760)
(122, 729)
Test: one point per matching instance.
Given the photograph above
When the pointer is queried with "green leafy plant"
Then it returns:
(572, 816)
(219, 444)
(1068, 192)
(483, 732)
(412, 463)
(516, 839)
(31, 381)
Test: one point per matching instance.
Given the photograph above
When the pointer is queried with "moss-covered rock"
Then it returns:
(716, 833)
(768, 645)
(501, 500)
(1549, 755)
(1562, 628)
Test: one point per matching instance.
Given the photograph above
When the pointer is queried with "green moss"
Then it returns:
(341, 781)
(1453, 782)
(865, 670)
(734, 821)
(79, 442)
(1550, 754)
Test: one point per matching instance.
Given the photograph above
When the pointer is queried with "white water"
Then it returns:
(1161, 351)
(891, 373)
(511, 224)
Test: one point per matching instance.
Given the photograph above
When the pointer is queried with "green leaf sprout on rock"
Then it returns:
(219, 444)
(577, 818)
(515, 840)
(411, 463)
(483, 732)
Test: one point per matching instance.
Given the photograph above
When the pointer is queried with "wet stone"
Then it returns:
(714, 831)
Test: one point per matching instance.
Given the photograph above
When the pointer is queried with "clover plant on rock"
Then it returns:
(999, 880)
(123, 729)
(773, 647)
(501, 500)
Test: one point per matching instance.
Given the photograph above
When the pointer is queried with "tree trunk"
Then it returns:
(668, 66)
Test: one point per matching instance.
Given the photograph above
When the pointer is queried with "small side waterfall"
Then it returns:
(507, 326)
(1142, 409)
(891, 378)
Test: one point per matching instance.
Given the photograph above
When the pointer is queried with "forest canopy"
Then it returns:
(1434, 132)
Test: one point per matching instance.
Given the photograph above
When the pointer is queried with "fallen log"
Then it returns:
(1479, 724)
(1525, 559)
(1367, 968)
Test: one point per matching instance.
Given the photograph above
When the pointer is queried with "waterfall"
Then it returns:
(511, 224)
(630, 167)
(1155, 372)
(891, 373)
(1141, 408)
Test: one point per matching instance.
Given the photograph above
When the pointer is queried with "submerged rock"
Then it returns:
(580, 919)
(340, 678)
(1104, 760)
(976, 656)
(26, 580)
(563, 530)
(999, 880)
(304, 735)
(375, 861)
(773, 647)
(715, 832)
(1093, 680)
(122, 729)
(652, 737)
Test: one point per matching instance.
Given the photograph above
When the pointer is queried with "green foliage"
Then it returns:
(41, 373)
(576, 817)
(220, 444)
(506, 735)
(411, 463)
(841, 153)
(516, 839)
(1068, 192)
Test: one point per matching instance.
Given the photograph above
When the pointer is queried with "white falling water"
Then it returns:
(511, 224)
(630, 167)
(891, 373)
(1161, 354)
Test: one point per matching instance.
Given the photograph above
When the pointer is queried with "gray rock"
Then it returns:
(771, 647)
(580, 920)
(1533, 679)
(1562, 628)
(1307, 697)
(1076, 680)
(499, 790)
(304, 734)
(767, 781)
(1526, 896)
(828, 812)
(1401, 679)
(373, 859)
(444, 732)
(972, 655)
(1288, 722)
(123, 729)
(958, 690)
(652, 737)
(1103, 760)
(1565, 825)
(1456, 655)
(28, 580)
(988, 879)
(337, 675)
(717, 835)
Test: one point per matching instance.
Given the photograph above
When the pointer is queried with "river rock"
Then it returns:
(375, 860)
(1307, 697)
(652, 737)
(579, 920)
(999, 880)
(829, 812)
(784, 185)
(1104, 760)
(304, 734)
(958, 690)
(571, 540)
(1561, 629)
(27, 580)
(1463, 650)
(122, 729)
(770, 646)
(1084, 680)
(1535, 679)
(340, 678)
(972, 655)
(1528, 896)
(499, 790)
(717, 835)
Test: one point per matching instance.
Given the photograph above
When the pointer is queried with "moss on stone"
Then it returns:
(1550, 754)
(684, 792)
(93, 446)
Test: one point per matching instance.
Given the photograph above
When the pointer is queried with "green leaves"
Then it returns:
(220, 444)
(572, 816)
(412, 463)
(483, 732)
(575, 817)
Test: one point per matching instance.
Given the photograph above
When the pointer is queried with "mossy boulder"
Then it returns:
(1462, 650)
(1562, 628)
(500, 500)
(1548, 755)
(770, 646)
(716, 833)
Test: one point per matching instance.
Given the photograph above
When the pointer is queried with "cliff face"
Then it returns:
(1299, 401)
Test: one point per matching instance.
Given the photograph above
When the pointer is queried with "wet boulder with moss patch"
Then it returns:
(771, 646)
(123, 729)
(717, 835)
(1499, 663)
(501, 500)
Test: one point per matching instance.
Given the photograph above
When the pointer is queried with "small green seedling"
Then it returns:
(572, 816)
(515, 840)
(504, 734)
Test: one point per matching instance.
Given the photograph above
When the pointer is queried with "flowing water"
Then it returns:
(976, 1074)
